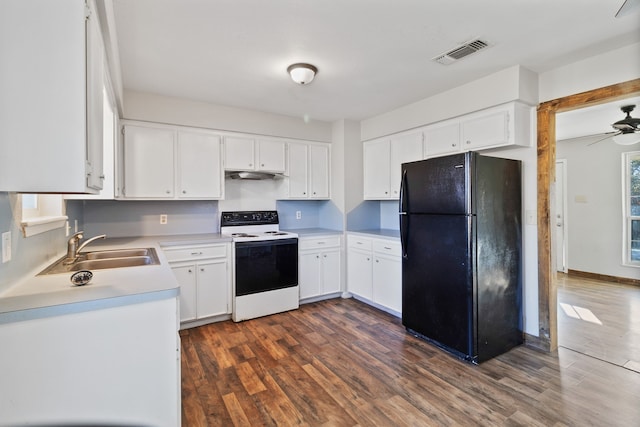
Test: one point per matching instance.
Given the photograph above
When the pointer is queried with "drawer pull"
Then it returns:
(321, 243)
(196, 253)
(387, 248)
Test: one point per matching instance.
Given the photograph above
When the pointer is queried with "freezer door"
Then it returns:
(436, 186)
(437, 280)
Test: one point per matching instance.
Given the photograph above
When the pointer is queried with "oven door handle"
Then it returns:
(274, 242)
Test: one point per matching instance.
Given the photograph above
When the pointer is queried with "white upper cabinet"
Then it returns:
(199, 160)
(377, 169)
(51, 97)
(501, 126)
(441, 138)
(308, 171)
(171, 162)
(382, 163)
(148, 162)
(248, 154)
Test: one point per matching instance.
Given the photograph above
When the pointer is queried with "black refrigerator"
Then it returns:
(460, 227)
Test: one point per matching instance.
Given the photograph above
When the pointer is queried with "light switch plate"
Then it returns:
(6, 246)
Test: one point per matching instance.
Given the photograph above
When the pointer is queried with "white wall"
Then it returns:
(512, 84)
(177, 111)
(613, 67)
(594, 204)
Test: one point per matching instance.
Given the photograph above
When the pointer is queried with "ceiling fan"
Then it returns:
(628, 7)
(627, 129)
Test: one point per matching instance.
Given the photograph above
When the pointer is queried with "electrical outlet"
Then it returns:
(163, 219)
(6, 246)
(298, 214)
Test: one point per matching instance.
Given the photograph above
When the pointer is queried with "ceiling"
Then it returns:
(373, 55)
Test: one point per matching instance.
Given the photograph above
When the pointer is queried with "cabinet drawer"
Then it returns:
(195, 252)
(359, 242)
(387, 247)
(319, 243)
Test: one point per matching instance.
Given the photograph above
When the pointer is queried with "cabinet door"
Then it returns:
(298, 171)
(186, 277)
(148, 162)
(441, 139)
(490, 130)
(376, 169)
(319, 171)
(359, 274)
(95, 88)
(213, 288)
(330, 271)
(405, 148)
(387, 282)
(271, 156)
(199, 166)
(239, 154)
(309, 274)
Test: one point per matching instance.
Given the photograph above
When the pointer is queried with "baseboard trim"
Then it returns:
(604, 277)
(537, 343)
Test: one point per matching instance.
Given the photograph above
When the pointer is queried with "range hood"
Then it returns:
(252, 175)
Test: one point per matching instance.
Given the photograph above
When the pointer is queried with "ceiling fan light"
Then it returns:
(629, 138)
(301, 73)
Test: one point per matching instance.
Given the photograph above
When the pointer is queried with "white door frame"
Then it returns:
(561, 191)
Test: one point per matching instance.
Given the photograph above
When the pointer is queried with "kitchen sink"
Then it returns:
(98, 260)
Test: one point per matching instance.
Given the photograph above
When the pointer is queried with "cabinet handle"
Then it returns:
(377, 260)
(387, 248)
(101, 177)
(453, 145)
(325, 256)
(368, 259)
(321, 243)
(386, 192)
(196, 253)
(202, 269)
(317, 256)
(262, 164)
(168, 191)
(190, 271)
(358, 243)
(184, 191)
(468, 142)
(250, 164)
(304, 192)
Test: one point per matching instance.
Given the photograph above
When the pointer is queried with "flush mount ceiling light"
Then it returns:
(302, 73)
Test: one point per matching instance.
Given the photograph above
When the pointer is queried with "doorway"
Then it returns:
(546, 148)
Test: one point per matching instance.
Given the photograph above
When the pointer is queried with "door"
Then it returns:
(266, 265)
(271, 156)
(298, 170)
(239, 154)
(436, 186)
(148, 162)
(310, 274)
(561, 217)
(376, 169)
(186, 277)
(360, 274)
(199, 165)
(331, 271)
(319, 171)
(387, 284)
(437, 289)
(213, 288)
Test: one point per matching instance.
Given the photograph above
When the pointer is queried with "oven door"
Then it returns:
(266, 265)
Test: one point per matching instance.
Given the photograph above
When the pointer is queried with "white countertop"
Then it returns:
(43, 296)
(378, 232)
(314, 232)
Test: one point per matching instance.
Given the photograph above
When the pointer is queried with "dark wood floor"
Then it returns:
(342, 363)
(600, 319)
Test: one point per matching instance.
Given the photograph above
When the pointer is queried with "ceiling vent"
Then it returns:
(460, 52)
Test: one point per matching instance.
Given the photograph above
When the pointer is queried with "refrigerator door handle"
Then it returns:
(404, 218)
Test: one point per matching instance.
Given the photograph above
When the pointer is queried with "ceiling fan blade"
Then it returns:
(628, 7)
(606, 137)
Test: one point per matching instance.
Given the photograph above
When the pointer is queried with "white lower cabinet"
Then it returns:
(203, 272)
(319, 266)
(374, 270)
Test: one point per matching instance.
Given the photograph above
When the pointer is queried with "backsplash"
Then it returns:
(142, 218)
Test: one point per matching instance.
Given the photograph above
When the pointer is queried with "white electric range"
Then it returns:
(265, 264)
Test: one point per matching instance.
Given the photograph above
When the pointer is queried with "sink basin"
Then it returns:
(118, 253)
(98, 260)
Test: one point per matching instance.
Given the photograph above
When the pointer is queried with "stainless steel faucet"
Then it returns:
(72, 246)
